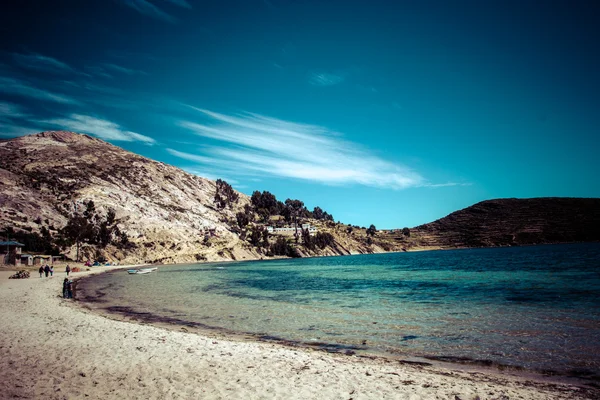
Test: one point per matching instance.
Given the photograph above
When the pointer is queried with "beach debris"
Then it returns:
(82, 374)
(20, 275)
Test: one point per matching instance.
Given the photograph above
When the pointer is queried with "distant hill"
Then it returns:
(513, 222)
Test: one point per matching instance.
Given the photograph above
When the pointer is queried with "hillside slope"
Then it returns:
(513, 222)
(168, 214)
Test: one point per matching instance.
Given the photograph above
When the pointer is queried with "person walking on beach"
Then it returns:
(41, 270)
(68, 269)
(52, 270)
(47, 270)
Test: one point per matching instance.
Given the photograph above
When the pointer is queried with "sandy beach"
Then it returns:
(52, 349)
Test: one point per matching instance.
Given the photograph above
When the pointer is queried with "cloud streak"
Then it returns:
(148, 9)
(41, 63)
(98, 127)
(264, 146)
(22, 88)
(180, 3)
(11, 121)
(10, 110)
(124, 70)
(325, 79)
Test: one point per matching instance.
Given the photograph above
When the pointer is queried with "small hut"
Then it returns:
(11, 252)
(26, 260)
(41, 259)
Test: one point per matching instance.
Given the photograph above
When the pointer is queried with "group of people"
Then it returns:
(47, 269)
(67, 283)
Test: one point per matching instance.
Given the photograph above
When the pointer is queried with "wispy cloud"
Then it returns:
(10, 110)
(148, 9)
(99, 127)
(325, 79)
(12, 121)
(22, 88)
(98, 71)
(180, 3)
(41, 62)
(265, 146)
(124, 70)
(447, 184)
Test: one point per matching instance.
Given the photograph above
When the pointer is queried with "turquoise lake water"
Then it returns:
(533, 307)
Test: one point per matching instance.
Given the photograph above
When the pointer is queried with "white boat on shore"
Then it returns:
(142, 270)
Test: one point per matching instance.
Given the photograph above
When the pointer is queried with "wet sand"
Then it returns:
(50, 348)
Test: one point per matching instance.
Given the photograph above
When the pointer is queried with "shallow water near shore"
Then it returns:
(535, 307)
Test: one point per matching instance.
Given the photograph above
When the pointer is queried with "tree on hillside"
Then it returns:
(265, 200)
(93, 228)
(324, 239)
(307, 240)
(90, 210)
(265, 238)
(406, 232)
(225, 195)
(256, 236)
(78, 229)
(372, 230)
(281, 247)
(295, 207)
(286, 213)
(249, 212)
(319, 214)
(242, 221)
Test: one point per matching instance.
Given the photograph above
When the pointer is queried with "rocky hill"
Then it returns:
(514, 222)
(167, 214)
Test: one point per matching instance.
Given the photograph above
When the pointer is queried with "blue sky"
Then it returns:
(380, 112)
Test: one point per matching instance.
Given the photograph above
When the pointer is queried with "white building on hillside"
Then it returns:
(287, 230)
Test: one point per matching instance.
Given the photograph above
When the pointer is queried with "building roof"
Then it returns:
(12, 243)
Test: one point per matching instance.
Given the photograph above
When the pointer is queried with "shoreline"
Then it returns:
(52, 349)
(128, 314)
